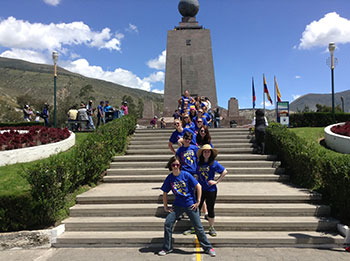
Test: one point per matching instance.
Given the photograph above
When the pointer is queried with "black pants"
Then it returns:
(209, 197)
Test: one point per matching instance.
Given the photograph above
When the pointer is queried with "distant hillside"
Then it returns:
(312, 99)
(19, 77)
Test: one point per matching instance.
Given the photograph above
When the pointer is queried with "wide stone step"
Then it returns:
(226, 164)
(213, 135)
(228, 178)
(224, 239)
(167, 151)
(216, 138)
(166, 141)
(217, 146)
(163, 171)
(221, 209)
(228, 192)
(246, 223)
(212, 130)
(165, 158)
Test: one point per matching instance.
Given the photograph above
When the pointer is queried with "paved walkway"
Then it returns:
(229, 254)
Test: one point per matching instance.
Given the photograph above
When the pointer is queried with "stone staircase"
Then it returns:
(255, 205)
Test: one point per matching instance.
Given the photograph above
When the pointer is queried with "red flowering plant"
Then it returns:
(342, 129)
(11, 137)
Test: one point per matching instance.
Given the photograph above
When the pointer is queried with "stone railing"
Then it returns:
(36, 152)
(339, 143)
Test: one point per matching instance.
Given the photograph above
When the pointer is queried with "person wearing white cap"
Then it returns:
(206, 169)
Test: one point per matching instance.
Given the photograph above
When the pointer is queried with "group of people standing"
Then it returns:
(192, 107)
(29, 115)
(192, 181)
(82, 118)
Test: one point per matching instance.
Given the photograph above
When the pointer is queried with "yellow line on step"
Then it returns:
(198, 250)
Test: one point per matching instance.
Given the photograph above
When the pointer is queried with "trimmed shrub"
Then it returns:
(17, 124)
(313, 167)
(316, 119)
(53, 179)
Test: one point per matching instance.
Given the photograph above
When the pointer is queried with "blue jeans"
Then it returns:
(91, 123)
(196, 222)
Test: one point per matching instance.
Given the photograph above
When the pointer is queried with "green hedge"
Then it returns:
(53, 179)
(19, 124)
(314, 167)
(316, 119)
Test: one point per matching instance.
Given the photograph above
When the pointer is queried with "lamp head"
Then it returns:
(331, 47)
(54, 56)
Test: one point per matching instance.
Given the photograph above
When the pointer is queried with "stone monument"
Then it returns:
(189, 60)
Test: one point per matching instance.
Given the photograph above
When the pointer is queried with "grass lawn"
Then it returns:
(313, 134)
(12, 183)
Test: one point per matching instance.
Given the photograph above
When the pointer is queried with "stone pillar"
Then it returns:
(233, 109)
(148, 109)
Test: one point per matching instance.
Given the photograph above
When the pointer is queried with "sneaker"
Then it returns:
(164, 252)
(189, 231)
(347, 249)
(206, 217)
(210, 252)
(212, 231)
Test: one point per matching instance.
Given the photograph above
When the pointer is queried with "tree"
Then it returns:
(325, 108)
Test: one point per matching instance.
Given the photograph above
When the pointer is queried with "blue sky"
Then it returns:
(124, 41)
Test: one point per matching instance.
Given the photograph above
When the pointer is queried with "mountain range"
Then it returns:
(19, 77)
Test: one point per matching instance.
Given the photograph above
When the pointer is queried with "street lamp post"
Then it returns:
(54, 58)
(331, 48)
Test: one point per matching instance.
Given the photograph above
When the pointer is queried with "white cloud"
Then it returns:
(158, 63)
(158, 91)
(52, 2)
(267, 104)
(25, 35)
(132, 28)
(119, 75)
(330, 28)
(296, 96)
(28, 55)
(297, 77)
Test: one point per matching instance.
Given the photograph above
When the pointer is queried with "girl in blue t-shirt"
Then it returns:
(182, 184)
(206, 169)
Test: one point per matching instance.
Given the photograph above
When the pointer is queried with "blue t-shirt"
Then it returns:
(188, 158)
(190, 126)
(207, 116)
(99, 110)
(206, 173)
(175, 136)
(107, 108)
(182, 187)
(205, 123)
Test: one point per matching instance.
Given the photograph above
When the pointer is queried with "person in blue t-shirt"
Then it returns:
(187, 154)
(207, 167)
(203, 137)
(200, 116)
(176, 136)
(187, 123)
(182, 185)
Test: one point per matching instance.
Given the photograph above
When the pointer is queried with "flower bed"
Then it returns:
(335, 141)
(23, 137)
(343, 129)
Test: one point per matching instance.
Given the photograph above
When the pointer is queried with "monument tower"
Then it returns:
(189, 60)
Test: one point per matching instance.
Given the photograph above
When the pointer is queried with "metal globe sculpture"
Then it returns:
(188, 8)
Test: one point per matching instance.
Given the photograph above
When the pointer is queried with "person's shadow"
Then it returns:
(156, 250)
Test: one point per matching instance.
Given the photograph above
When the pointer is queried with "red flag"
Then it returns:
(267, 91)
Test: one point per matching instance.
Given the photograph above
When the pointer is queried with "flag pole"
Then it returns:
(275, 94)
(253, 96)
(264, 92)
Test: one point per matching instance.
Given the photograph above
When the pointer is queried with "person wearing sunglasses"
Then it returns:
(182, 185)
(207, 167)
(200, 116)
(187, 154)
(187, 123)
(177, 135)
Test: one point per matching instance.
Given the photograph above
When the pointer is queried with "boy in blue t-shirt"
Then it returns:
(187, 154)
(178, 134)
